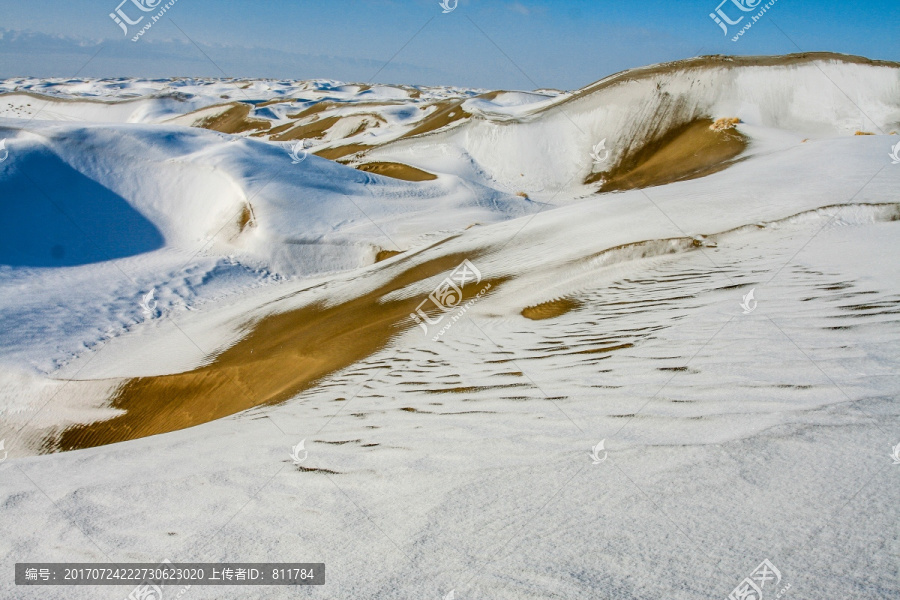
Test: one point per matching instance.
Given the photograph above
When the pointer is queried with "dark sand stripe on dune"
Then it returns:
(341, 151)
(282, 355)
(236, 119)
(689, 151)
(551, 309)
(397, 171)
(446, 113)
(386, 254)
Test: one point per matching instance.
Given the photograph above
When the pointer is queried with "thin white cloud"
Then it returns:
(519, 8)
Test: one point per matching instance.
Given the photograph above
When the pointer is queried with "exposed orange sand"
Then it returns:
(234, 120)
(325, 105)
(275, 101)
(273, 131)
(246, 218)
(448, 111)
(314, 130)
(386, 254)
(280, 356)
(687, 152)
(724, 123)
(551, 309)
(314, 109)
(342, 151)
(397, 171)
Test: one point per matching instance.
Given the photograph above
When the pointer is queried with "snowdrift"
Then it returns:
(106, 192)
(548, 149)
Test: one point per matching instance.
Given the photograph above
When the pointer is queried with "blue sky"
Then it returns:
(520, 44)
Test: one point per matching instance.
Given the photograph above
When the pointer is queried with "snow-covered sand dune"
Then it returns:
(736, 427)
(546, 151)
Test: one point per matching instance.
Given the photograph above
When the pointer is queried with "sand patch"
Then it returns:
(551, 309)
(275, 101)
(325, 105)
(273, 131)
(724, 123)
(281, 355)
(318, 128)
(687, 152)
(315, 130)
(448, 112)
(342, 151)
(233, 120)
(313, 110)
(386, 254)
(397, 171)
(605, 349)
(246, 218)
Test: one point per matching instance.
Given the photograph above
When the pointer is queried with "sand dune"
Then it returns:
(639, 377)
(686, 152)
(279, 357)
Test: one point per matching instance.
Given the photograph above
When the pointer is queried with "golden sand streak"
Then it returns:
(549, 310)
(281, 355)
(234, 120)
(447, 112)
(687, 152)
(315, 130)
(397, 171)
(386, 254)
(342, 151)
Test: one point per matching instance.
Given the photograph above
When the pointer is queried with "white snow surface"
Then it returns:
(464, 463)
(130, 100)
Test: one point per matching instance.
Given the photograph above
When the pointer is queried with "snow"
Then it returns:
(509, 105)
(546, 153)
(731, 437)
